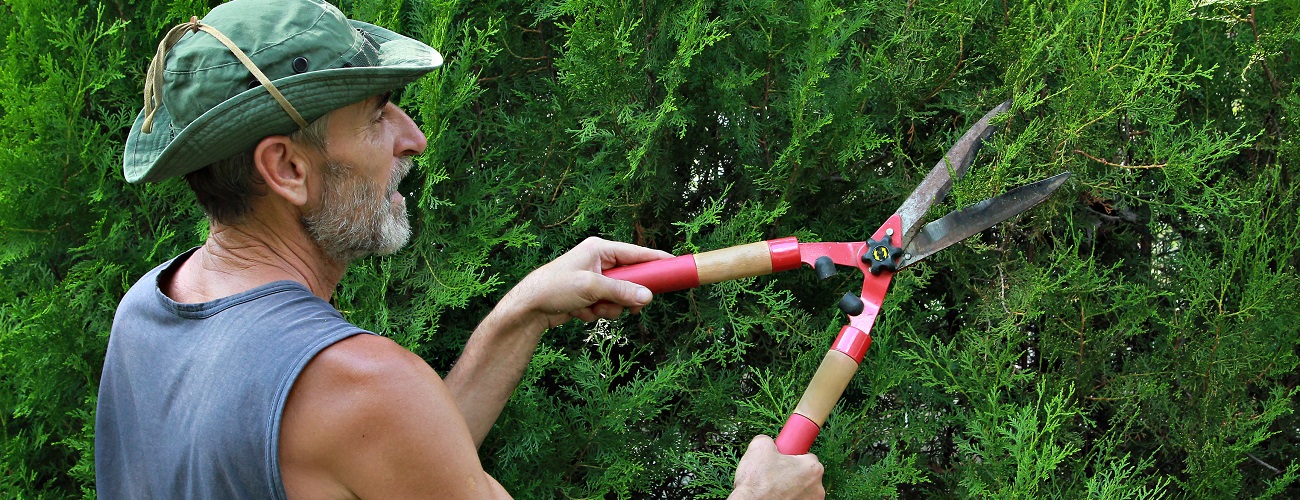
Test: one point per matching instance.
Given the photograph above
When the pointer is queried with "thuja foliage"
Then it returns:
(1133, 337)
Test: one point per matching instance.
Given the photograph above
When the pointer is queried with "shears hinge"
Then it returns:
(882, 255)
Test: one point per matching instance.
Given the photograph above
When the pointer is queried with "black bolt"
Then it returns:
(882, 256)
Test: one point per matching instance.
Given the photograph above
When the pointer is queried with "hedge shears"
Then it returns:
(900, 242)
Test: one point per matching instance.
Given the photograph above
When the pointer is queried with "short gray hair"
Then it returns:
(225, 189)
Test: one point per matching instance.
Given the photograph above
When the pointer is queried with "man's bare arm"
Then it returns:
(571, 286)
(367, 418)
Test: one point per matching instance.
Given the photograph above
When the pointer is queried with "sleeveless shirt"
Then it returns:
(191, 395)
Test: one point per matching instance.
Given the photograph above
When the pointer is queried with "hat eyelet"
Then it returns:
(300, 65)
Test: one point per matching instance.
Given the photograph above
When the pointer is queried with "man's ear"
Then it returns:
(283, 165)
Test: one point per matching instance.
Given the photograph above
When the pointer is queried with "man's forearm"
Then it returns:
(491, 366)
(571, 286)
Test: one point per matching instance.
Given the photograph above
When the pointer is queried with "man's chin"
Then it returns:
(395, 245)
(394, 235)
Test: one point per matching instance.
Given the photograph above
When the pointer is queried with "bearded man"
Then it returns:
(228, 373)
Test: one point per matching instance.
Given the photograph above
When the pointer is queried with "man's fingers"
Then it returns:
(617, 253)
(623, 293)
(585, 314)
(607, 310)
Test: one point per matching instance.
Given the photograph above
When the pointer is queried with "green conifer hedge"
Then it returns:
(1133, 337)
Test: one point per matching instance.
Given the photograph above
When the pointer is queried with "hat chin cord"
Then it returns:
(154, 78)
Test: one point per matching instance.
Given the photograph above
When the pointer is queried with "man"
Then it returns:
(228, 373)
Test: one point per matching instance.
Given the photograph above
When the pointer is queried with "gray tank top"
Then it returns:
(192, 394)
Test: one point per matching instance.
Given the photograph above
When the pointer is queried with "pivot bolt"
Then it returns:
(882, 255)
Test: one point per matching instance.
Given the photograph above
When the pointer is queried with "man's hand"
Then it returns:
(765, 473)
(572, 286)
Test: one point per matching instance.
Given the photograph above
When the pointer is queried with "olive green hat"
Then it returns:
(254, 68)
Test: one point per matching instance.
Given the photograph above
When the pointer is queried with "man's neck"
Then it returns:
(236, 259)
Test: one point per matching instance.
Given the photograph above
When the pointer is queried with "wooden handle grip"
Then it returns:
(827, 385)
(818, 400)
(741, 261)
(825, 389)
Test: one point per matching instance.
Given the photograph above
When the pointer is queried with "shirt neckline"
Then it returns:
(201, 310)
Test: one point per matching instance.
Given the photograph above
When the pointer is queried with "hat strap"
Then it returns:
(154, 78)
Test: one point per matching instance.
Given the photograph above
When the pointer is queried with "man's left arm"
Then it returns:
(571, 286)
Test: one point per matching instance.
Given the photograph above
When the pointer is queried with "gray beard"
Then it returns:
(351, 222)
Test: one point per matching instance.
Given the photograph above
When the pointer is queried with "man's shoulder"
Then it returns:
(369, 361)
(367, 408)
(362, 379)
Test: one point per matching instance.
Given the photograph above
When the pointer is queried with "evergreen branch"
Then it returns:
(565, 175)
(522, 58)
(961, 58)
(1104, 162)
(1274, 84)
(566, 218)
(1080, 128)
(1002, 293)
(527, 30)
(25, 230)
(512, 75)
(1261, 462)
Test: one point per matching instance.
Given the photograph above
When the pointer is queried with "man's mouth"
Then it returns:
(403, 168)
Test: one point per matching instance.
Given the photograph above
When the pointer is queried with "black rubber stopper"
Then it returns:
(825, 267)
(851, 304)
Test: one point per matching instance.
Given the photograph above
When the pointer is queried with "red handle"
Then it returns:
(690, 271)
(842, 360)
(668, 275)
(834, 374)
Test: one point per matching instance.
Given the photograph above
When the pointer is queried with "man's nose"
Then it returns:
(410, 139)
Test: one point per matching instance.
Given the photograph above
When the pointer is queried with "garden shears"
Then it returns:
(900, 242)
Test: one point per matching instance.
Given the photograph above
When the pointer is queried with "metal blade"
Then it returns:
(952, 166)
(964, 223)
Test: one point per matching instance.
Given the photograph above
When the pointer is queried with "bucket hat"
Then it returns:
(255, 68)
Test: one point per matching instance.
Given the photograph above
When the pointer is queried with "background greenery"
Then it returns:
(1133, 337)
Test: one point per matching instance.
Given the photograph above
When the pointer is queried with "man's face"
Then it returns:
(360, 211)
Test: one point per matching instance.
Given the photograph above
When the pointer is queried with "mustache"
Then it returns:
(404, 166)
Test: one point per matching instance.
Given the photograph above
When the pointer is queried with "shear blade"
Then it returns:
(967, 222)
(952, 166)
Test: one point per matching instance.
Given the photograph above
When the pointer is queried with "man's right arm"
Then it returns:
(369, 419)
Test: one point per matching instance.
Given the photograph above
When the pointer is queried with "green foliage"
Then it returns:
(1132, 337)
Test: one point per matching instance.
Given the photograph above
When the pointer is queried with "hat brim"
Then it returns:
(238, 123)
